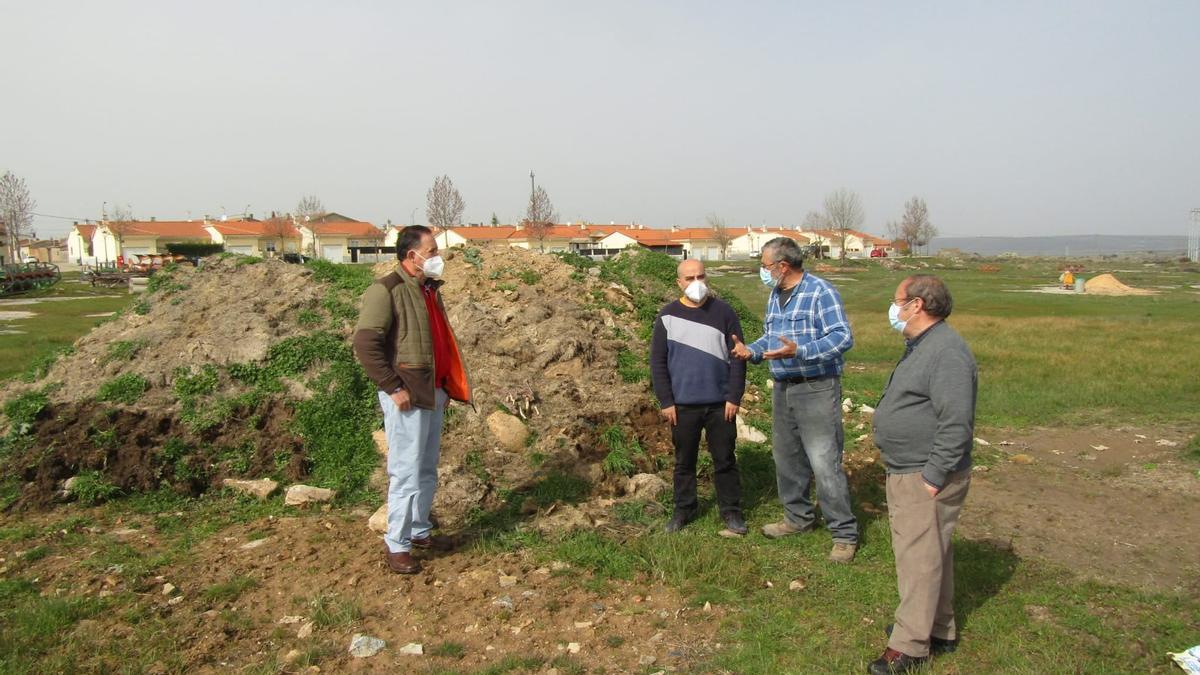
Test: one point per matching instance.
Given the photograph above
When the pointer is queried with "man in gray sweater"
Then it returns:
(925, 428)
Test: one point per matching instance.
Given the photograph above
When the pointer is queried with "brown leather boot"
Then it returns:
(434, 542)
(402, 563)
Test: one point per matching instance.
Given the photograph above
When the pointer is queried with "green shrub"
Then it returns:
(194, 249)
(23, 410)
(633, 367)
(190, 385)
(127, 389)
(91, 488)
(123, 350)
(40, 365)
(622, 451)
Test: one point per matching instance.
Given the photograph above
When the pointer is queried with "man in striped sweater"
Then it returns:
(700, 388)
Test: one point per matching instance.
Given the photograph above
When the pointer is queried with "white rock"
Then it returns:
(646, 485)
(1165, 443)
(168, 589)
(748, 433)
(363, 646)
(862, 438)
(290, 619)
(508, 429)
(573, 647)
(305, 631)
(254, 544)
(647, 660)
(292, 656)
(866, 409)
(378, 521)
(303, 494)
(507, 581)
(261, 488)
(413, 649)
(175, 600)
(796, 585)
(981, 442)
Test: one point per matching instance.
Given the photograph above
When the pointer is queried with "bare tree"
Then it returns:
(280, 227)
(915, 228)
(310, 208)
(720, 233)
(814, 220)
(119, 223)
(444, 205)
(540, 216)
(16, 211)
(843, 212)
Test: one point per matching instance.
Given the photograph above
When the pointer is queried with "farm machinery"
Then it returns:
(28, 277)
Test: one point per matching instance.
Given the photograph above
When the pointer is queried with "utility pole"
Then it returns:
(531, 188)
(1194, 237)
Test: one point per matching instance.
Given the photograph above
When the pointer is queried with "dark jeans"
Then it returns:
(722, 436)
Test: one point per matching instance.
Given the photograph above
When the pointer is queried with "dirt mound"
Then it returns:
(242, 368)
(1107, 284)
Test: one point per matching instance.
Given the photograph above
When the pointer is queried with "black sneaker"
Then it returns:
(678, 521)
(937, 645)
(734, 523)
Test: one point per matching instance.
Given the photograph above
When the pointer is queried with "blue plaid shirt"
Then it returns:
(815, 320)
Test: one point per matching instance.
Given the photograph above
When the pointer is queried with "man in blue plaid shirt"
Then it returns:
(805, 334)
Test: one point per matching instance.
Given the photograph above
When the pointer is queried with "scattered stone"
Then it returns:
(507, 581)
(1165, 443)
(125, 532)
(862, 438)
(253, 544)
(305, 631)
(363, 646)
(503, 602)
(261, 488)
(1021, 459)
(847, 404)
(292, 656)
(290, 619)
(1038, 613)
(748, 433)
(768, 584)
(1100, 448)
(175, 600)
(708, 606)
(647, 660)
(413, 649)
(304, 494)
(508, 429)
(646, 485)
(378, 520)
(979, 467)
(573, 647)
(866, 409)
(980, 441)
(559, 566)
(105, 593)
(582, 625)
(168, 589)
(796, 585)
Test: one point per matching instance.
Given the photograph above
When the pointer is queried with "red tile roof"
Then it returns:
(170, 229)
(85, 230)
(250, 228)
(352, 228)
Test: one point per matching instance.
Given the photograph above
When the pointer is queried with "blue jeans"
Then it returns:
(414, 445)
(807, 443)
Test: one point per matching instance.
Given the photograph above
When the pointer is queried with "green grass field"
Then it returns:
(58, 322)
(1043, 359)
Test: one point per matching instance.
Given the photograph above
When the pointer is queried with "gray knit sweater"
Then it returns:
(925, 420)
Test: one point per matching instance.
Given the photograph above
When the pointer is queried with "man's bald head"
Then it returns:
(689, 268)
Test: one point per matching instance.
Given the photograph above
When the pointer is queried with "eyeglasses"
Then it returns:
(702, 276)
(902, 301)
(770, 265)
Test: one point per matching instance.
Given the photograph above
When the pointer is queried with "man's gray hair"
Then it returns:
(932, 290)
(785, 249)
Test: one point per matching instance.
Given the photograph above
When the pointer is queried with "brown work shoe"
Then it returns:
(402, 563)
(435, 543)
(842, 552)
(784, 528)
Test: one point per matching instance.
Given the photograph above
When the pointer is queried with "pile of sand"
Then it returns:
(1107, 284)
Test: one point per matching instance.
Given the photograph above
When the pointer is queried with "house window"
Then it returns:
(270, 247)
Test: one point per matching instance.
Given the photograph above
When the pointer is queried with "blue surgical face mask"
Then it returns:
(767, 279)
(894, 316)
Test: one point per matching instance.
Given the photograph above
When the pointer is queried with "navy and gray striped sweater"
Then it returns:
(689, 355)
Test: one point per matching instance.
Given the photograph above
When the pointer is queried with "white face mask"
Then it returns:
(432, 267)
(696, 291)
(894, 316)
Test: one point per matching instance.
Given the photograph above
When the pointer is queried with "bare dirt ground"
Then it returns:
(1117, 505)
(310, 574)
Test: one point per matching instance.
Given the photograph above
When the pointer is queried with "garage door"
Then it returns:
(130, 251)
(241, 250)
(332, 253)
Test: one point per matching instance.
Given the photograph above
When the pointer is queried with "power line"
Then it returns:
(47, 215)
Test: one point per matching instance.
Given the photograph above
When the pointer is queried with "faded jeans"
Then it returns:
(414, 445)
(807, 443)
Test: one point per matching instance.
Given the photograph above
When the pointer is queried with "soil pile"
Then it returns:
(242, 368)
(1107, 284)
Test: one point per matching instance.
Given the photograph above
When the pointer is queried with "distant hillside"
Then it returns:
(1091, 244)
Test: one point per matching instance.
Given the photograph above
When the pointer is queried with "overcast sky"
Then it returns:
(1007, 117)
